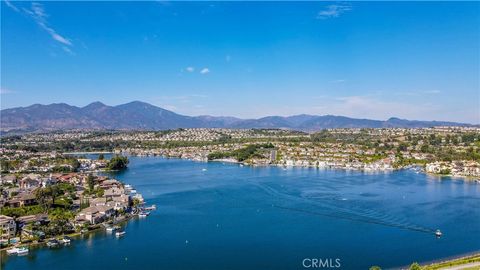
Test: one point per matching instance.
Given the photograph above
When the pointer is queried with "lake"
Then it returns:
(234, 217)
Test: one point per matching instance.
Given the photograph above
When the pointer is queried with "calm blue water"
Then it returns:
(232, 217)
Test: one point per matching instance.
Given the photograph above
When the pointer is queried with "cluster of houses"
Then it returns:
(455, 168)
(90, 209)
(115, 198)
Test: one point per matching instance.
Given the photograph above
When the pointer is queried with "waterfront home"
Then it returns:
(94, 214)
(30, 233)
(109, 183)
(121, 202)
(114, 192)
(8, 228)
(90, 215)
(106, 211)
(36, 219)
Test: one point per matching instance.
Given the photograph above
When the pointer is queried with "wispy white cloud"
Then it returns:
(333, 11)
(10, 5)
(38, 14)
(338, 81)
(205, 71)
(228, 58)
(190, 69)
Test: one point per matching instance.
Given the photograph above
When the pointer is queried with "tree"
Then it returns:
(90, 182)
(54, 192)
(42, 195)
(136, 202)
(415, 266)
(99, 192)
(375, 267)
(117, 163)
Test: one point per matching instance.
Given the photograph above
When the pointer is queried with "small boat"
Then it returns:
(119, 233)
(204, 170)
(12, 251)
(153, 207)
(52, 243)
(110, 229)
(22, 251)
(438, 233)
(143, 214)
(66, 240)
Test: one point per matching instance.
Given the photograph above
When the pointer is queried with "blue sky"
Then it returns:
(415, 60)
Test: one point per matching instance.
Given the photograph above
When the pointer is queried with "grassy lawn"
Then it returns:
(456, 262)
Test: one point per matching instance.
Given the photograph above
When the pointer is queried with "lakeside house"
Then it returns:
(94, 214)
(8, 228)
(38, 218)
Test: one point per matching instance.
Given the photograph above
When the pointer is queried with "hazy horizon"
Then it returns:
(373, 60)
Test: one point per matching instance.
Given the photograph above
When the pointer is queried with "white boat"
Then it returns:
(153, 207)
(52, 243)
(22, 251)
(12, 251)
(204, 170)
(438, 233)
(66, 240)
(110, 229)
(143, 214)
(119, 233)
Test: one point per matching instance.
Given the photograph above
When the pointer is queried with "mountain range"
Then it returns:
(138, 115)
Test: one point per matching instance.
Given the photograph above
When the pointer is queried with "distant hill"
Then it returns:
(138, 115)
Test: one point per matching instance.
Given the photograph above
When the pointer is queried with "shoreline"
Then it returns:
(409, 167)
(88, 153)
(74, 234)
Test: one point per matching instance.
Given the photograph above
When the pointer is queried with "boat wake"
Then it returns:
(350, 212)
